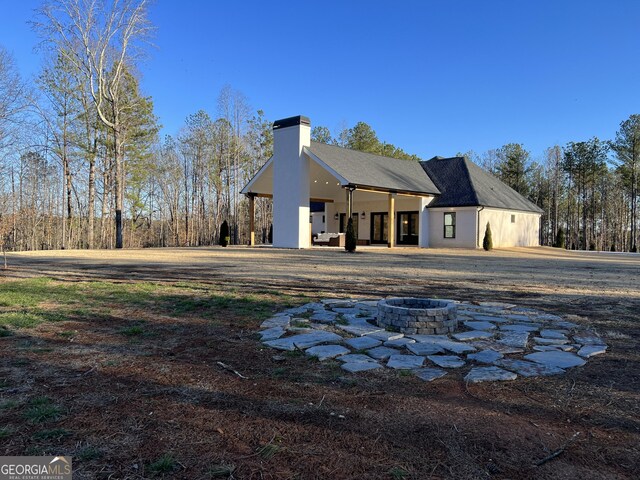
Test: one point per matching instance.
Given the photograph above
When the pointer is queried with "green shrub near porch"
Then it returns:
(351, 239)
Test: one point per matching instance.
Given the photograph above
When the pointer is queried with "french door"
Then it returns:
(407, 228)
(379, 227)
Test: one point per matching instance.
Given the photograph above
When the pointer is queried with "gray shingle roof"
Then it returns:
(366, 169)
(463, 183)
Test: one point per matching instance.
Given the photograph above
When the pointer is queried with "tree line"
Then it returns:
(588, 189)
(82, 164)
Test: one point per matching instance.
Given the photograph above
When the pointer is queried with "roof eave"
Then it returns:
(247, 188)
(382, 189)
(449, 205)
(343, 181)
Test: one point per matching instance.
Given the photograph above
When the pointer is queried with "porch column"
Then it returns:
(391, 227)
(252, 215)
(349, 204)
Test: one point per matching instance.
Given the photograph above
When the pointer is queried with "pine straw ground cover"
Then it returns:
(114, 361)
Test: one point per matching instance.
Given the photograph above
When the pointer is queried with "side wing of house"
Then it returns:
(472, 197)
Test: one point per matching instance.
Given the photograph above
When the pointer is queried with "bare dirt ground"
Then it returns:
(131, 402)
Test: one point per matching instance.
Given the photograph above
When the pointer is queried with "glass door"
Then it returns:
(379, 227)
(408, 228)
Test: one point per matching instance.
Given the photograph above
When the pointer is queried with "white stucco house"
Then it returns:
(442, 202)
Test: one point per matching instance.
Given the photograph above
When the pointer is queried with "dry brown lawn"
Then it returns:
(124, 347)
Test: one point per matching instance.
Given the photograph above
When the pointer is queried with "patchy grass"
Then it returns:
(294, 353)
(5, 332)
(54, 434)
(300, 324)
(268, 450)
(42, 410)
(88, 453)
(133, 331)
(28, 303)
(26, 319)
(165, 464)
(67, 334)
(5, 432)
(398, 473)
(8, 404)
(221, 471)
(340, 320)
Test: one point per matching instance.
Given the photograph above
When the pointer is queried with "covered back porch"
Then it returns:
(381, 216)
(386, 197)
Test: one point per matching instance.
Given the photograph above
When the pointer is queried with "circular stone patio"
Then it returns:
(493, 341)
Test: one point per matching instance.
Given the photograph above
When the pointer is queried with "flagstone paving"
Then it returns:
(528, 369)
(404, 362)
(424, 348)
(399, 342)
(324, 352)
(272, 333)
(472, 335)
(382, 353)
(479, 325)
(487, 374)
(429, 374)
(556, 359)
(591, 350)
(446, 361)
(485, 356)
(363, 343)
(494, 341)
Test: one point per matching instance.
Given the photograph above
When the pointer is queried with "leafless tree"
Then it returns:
(101, 39)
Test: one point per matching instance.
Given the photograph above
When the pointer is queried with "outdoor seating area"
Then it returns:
(329, 239)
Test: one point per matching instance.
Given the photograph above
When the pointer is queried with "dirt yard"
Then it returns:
(121, 370)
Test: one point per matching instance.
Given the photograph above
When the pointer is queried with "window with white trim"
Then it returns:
(449, 225)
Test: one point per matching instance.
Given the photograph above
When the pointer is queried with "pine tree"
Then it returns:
(487, 243)
(351, 240)
(627, 149)
(224, 234)
(513, 167)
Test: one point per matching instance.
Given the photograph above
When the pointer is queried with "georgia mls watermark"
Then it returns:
(35, 468)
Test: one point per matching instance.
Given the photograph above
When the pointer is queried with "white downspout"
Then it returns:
(478, 222)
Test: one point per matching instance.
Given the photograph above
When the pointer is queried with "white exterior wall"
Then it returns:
(466, 228)
(424, 226)
(291, 187)
(317, 225)
(525, 232)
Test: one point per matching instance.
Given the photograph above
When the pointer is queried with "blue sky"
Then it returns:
(433, 77)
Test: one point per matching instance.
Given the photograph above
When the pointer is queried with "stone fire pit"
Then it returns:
(423, 316)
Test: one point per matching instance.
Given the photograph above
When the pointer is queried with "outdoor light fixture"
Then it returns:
(363, 215)
(335, 217)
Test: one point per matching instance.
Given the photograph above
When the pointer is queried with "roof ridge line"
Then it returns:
(367, 153)
(474, 190)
